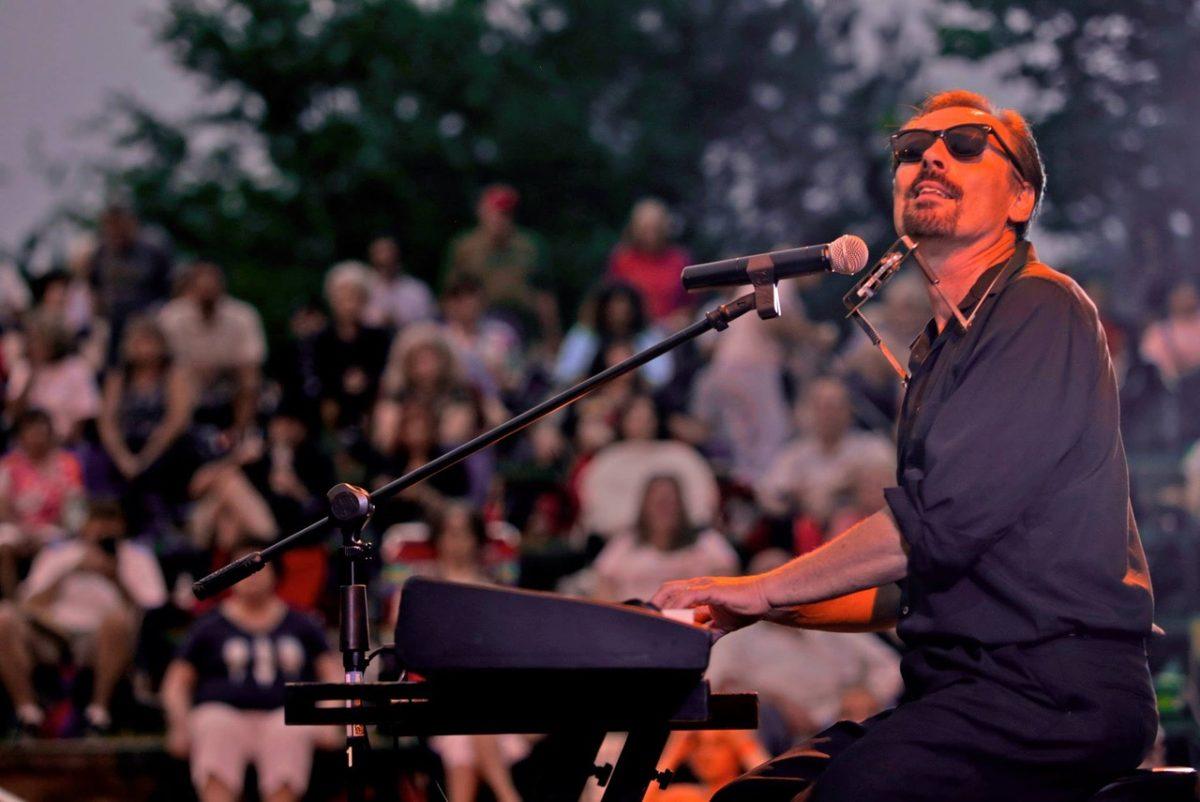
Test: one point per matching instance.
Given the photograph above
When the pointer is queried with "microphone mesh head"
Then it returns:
(848, 254)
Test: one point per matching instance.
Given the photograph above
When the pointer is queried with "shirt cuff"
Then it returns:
(912, 529)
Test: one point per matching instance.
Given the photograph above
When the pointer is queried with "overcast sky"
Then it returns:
(59, 61)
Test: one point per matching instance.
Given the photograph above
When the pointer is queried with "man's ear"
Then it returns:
(1022, 205)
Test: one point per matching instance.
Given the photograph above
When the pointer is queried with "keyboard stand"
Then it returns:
(414, 708)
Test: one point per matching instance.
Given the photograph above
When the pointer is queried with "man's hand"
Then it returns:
(732, 602)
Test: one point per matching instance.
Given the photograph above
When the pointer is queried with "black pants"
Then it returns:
(1051, 722)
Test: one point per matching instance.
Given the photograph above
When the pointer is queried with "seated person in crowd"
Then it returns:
(614, 315)
(87, 595)
(662, 546)
(223, 694)
(489, 348)
(292, 476)
(67, 299)
(808, 472)
(129, 270)
(459, 541)
(714, 758)
(228, 507)
(41, 495)
(647, 260)
(416, 444)
(293, 473)
(1173, 344)
(53, 377)
(144, 416)
(509, 263)
(218, 340)
(423, 367)
(348, 354)
(809, 678)
(397, 297)
(902, 313)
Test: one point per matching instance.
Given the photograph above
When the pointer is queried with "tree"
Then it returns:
(762, 122)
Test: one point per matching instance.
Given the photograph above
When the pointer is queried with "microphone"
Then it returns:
(845, 255)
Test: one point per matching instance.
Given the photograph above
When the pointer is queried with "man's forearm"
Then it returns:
(871, 610)
(869, 554)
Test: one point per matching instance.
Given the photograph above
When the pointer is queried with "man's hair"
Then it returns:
(1024, 146)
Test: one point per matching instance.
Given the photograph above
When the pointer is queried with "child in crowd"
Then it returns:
(223, 694)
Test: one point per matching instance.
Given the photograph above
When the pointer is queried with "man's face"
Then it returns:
(384, 254)
(943, 197)
(207, 286)
(496, 222)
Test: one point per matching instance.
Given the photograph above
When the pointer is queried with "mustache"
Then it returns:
(951, 189)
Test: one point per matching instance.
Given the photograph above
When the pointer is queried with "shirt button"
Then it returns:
(904, 610)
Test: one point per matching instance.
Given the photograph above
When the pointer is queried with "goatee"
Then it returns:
(929, 223)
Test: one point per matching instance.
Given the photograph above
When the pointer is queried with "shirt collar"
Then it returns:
(989, 283)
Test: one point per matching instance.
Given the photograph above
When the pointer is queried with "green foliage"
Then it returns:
(762, 122)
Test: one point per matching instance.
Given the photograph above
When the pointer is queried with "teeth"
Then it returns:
(932, 191)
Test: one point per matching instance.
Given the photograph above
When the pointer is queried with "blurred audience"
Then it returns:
(223, 694)
(84, 597)
(699, 461)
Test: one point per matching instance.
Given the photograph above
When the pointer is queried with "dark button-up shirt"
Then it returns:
(1013, 492)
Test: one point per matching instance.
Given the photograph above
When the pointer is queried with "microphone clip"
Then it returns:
(761, 271)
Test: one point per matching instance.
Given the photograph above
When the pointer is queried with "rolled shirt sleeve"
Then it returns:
(1017, 405)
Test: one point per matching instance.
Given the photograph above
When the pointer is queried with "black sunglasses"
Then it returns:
(964, 141)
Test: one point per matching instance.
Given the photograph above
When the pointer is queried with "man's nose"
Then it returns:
(936, 156)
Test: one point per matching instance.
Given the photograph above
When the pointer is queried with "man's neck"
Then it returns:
(958, 266)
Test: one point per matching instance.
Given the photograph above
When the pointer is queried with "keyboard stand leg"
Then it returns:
(570, 758)
(637, 765)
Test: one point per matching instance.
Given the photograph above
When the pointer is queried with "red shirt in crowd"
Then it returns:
(654, 275)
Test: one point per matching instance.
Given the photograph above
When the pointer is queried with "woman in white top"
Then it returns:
(663, 545)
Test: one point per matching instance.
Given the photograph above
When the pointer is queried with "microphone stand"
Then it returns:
(350, 507)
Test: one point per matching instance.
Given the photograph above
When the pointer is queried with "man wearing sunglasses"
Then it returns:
(1021, 587)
